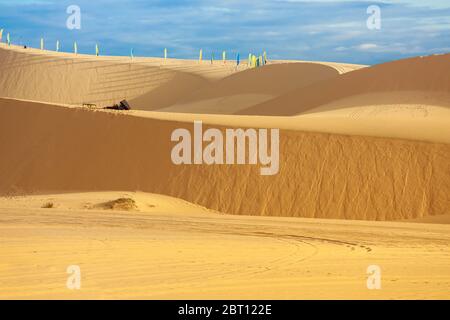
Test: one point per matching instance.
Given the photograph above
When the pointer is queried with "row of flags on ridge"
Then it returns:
(253, 60)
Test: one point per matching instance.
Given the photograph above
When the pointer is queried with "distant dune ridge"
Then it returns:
(76, 79)
(424, 76)
(50, 148)
(250, 87)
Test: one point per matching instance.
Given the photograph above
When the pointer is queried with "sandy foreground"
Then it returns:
(356, 143)
(170, 249)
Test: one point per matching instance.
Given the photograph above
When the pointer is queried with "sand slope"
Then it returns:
(338, 66)
(324, 176)
(250, 87)
(418, 122)
(169, 93)
(76, 79)
(144, 203)
(425, 76)
(148, 83)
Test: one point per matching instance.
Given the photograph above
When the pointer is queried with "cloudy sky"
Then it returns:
(286, 29)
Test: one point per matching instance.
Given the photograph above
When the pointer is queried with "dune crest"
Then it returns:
(250, 87)
(148, 83)
(425, 76)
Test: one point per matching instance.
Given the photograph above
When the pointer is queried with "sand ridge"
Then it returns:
(150, 83)
(78, 79)
(426, 75)
(250, 87)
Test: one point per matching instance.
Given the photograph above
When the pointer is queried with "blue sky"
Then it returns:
(286, 29)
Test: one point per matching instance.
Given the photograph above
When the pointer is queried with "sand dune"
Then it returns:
(169, 93)
(338, 66)
(418, 122)
(144, 203)
(182, 254)
(149, 83)
(321, 175)
(425, 76)
(250, 87)
(97, 189)
(327, 169)
(76, 79)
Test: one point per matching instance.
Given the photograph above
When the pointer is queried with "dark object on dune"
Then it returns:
(124, 105)
(90, 105)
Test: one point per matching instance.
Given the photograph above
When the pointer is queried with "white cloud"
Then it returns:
(436, 4)
(367, 46)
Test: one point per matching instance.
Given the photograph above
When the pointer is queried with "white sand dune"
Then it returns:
(418, 122)
(150, 83)
(425, 76)
(247, 88)
(76, 79)
(176, 88)
(338, 66)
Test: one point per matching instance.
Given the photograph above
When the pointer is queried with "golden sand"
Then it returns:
(97, 189)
